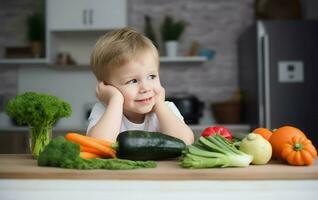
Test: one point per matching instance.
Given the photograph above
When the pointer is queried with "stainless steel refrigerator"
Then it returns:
(278, 76)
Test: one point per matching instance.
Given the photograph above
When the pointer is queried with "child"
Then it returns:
(126, 65)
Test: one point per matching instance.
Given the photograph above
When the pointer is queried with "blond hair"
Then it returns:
(116, 48)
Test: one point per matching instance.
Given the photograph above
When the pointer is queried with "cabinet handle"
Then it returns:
(84, 17)
(91, 12)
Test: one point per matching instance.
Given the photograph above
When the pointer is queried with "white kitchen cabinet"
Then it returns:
(73, 15)
(73, 26)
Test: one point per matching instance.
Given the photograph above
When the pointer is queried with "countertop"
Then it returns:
(11, 128)
(22, 166)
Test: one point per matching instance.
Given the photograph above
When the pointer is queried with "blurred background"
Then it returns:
(240, 63)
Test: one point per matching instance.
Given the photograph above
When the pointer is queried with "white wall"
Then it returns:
(74, 86)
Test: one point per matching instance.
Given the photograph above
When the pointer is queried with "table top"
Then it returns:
(22, 166)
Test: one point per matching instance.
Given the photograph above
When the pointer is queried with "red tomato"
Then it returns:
(217, 130)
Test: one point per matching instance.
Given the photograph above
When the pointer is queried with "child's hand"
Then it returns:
(106, 93)
(159, 98)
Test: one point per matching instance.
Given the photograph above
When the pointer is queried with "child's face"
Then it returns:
(139, 83)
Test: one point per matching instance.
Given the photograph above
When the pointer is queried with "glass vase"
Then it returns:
(39, 137)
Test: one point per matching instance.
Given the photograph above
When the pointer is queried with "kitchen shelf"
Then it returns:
(24, 61)
(188, 59)
(183, 59)
(84, 66)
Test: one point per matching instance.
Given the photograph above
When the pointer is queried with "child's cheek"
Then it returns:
(128, 96)
(157, 87)
(157, 90)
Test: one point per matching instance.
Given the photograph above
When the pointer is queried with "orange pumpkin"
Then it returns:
(299, 151)
(264, 132)
(282, 136)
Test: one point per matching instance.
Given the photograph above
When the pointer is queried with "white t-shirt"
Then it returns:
(150, 123)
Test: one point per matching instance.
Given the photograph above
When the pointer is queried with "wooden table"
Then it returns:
(21, 178)
(24, 167)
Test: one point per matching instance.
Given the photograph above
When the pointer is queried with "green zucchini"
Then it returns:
(143, 145)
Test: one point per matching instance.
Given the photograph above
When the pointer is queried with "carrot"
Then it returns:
(86, 141)
(88, 155)
(102, 142)
(91, 150)
(94, 151)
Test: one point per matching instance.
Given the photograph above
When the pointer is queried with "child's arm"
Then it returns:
(108, 126)
(169, 123)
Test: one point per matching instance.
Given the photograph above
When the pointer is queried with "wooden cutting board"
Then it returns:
(22, 166)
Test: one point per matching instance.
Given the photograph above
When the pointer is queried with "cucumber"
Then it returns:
(143, 145)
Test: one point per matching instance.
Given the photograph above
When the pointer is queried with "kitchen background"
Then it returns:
(214, 24)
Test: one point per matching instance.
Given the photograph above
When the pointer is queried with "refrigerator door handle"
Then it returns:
(267, 96)
(260, 75)
(263, 76)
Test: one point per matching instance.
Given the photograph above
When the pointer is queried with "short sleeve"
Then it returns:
(97, 112)
(174, 109)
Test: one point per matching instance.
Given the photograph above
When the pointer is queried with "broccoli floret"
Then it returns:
(40, 112)
(57, 152)
(37, 109)
(63, 153)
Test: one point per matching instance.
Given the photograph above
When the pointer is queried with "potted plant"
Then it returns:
(149, 31)
(36, 28)
(171, 32)
(36, 31)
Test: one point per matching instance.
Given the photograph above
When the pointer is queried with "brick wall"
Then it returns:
(215, 24)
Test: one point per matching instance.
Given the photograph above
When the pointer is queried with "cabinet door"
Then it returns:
(66, 14)
(72, 15)
(108, 14)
